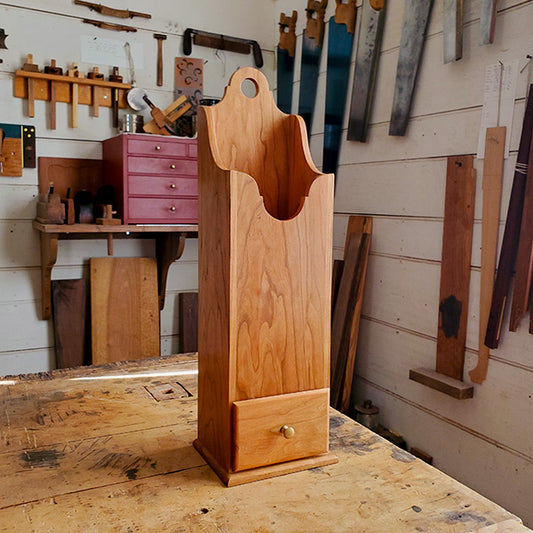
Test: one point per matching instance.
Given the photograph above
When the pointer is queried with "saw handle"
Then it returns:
(187, 41)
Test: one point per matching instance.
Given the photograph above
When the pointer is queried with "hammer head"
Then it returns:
(160, 36)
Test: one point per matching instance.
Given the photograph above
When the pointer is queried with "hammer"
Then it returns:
(160, 38)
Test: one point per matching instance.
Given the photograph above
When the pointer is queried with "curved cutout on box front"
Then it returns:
(268, 145)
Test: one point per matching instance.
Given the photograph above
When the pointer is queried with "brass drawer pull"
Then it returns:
(173, 165)
(173, 208)
(172, 185)
(158, 147)
(287, 431)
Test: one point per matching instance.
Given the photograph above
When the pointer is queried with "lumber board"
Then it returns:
(90, 481)
(124, 308)
(71, 322)
(436, 380)
(524, 256)
(455, 265)
(188, 322)
(492, 188)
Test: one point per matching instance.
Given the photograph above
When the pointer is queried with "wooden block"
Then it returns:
(50, 210)
(452, 387)
(124, 309)
(455, 266)
(188, 322)
(71, 322)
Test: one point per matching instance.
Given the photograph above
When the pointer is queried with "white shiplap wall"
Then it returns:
(486, 442)
(52, 29)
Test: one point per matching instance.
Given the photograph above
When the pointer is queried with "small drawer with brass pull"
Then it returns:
(162, 165)
(280, 428)
(159, 147)
(141, 185)
(178, 210)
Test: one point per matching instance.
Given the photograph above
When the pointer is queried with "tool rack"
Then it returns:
(38, 86)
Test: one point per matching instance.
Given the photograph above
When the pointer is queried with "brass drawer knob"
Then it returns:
(173, 165)
(287, 431)
(173, 208)
(172, 185)
(158, 147)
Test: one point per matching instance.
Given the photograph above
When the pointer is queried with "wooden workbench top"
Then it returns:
(110, 449)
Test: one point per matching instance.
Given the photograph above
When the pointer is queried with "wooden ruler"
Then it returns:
(492, 190)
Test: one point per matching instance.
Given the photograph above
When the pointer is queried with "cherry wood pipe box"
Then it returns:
(265, 240)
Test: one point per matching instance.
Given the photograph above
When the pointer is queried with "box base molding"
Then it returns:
(231, 479)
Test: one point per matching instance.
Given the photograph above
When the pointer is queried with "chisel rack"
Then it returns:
(41, 86)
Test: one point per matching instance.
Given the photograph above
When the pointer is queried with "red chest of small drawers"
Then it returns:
(155, 178)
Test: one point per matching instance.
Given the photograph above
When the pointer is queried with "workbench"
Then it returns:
(109, 448)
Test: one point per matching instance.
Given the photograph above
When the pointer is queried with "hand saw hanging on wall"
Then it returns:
(313, 37)
(415, 21)
(366, 64)
(285, 67)
(340, 44)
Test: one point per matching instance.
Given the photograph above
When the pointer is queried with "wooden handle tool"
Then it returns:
(95, 75)
(29, 66)
(53, 69)
(75, 73)
(160, 38)
(115, 77)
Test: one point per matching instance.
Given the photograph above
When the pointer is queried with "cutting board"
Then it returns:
(124, 309)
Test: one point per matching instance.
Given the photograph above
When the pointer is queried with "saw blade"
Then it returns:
(452, 30)
(366, 63)
(415, 21)
(340, 44)
(308, 79)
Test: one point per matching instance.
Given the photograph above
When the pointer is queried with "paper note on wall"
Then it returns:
(98, 51)
(498, 104)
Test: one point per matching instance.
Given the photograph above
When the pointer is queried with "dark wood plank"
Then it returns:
(511, 233)
(71, 322)
(347, 311)
(435, 380)
(524, 258)
(188, 322)
(336, 276)
(455, 266)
